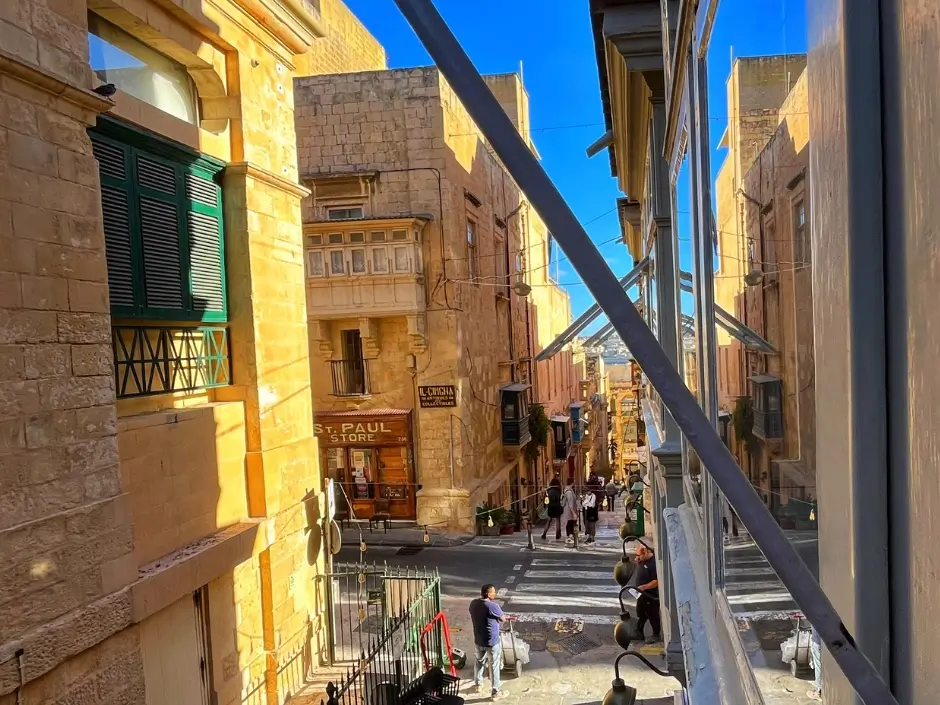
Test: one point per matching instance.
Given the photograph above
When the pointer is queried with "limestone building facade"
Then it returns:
(420, 250)
(157, 443)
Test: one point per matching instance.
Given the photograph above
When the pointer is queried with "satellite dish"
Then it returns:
(521, 288)
(754, 277)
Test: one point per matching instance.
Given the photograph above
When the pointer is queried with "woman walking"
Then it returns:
(572, 511)
(589, 502)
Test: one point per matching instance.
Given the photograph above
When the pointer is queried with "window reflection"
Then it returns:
(133, 67)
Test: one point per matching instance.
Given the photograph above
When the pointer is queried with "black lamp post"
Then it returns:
(623, 571)
(620, 693)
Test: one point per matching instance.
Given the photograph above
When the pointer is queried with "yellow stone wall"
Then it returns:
(110, 512)
(348, 45)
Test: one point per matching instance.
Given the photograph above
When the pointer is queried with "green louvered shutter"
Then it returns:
(118, 206)
(206, 246)
(159, 189)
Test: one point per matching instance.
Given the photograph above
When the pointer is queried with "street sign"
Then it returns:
(439, 396)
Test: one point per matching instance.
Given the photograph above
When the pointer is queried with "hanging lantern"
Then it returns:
(362, 546)
(362, 578)
(489, 521)
(362, 615)
(546, 500)
(427, 536)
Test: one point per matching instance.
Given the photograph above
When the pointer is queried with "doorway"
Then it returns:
(395, 481)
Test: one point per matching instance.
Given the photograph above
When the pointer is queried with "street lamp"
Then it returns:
(620, 693)
(623, 632)
(623, 571)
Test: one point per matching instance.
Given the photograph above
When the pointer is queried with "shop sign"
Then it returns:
(340, 431)
(438, 396)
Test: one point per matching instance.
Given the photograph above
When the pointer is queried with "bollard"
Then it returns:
(576, 544)
(528, 527)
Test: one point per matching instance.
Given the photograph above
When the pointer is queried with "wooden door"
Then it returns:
(174, 650)
(396, 482)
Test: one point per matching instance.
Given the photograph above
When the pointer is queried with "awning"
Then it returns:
(560, 419)
(515, 387)
(586, 318)
(763, 379)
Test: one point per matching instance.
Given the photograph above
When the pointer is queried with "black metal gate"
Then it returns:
(367, 600)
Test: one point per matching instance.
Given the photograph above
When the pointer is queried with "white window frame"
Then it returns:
(310, 255)
(342, 254)
(408, 263)
(352, 265)
(384, 259)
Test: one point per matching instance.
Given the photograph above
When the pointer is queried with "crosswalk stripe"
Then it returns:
(752, 586)
(563, 562)
(754, 597)
(530, 617)
(563, 601)
(570, 574)
(552, 588)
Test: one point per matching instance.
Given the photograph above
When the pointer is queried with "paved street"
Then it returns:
(566, 603)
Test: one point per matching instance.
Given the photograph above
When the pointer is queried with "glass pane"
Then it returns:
(401, 259)
(337, 262)
(378, 236)
(335, 238)
(399, 235)
(357, 237)
(133, 67)
(315, 260)
(358, 261)
(379, 260)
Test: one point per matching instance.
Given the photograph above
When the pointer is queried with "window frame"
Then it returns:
(135, 142)
(330, 210)
(409, 267)
(473, 264)
(342, 254)
(375, 249)
(319, 253)
(802, 248)
(352, 262)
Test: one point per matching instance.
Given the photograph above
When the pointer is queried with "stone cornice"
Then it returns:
(290, 22)
(256, 173)
(42, 79)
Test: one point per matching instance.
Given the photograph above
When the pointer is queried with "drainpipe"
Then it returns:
(472, 91)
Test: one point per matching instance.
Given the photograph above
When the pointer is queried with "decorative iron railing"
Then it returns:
(152, 360)
(383, 625)
(351, 378)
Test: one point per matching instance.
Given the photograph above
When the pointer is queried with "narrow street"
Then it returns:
(566, 603)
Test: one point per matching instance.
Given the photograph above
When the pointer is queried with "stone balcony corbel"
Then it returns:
(321, 333)
(369, 333)
(417, 332)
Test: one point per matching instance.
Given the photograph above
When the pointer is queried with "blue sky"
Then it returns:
(552, 40)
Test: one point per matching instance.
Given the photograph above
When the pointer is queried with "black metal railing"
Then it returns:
(365, 599)
(351, 378)
(162, 359)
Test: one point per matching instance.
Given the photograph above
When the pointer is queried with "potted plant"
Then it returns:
(484, 514)
(506, 521)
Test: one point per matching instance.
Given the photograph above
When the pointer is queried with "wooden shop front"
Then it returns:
(369, 453)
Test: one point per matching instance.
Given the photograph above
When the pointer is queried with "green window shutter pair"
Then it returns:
(163, 233)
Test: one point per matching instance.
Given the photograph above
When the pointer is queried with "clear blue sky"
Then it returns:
(552, 39)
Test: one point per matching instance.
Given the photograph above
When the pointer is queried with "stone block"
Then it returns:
(10, 291)
(90, 360)
(18, 255)
(32, 223)
(11, 362)
(90, 297)
(32, 154)
(84, 328)
(24, 326)
(45, 293)
(59, 31)
(75, 392)
(49, 360)
(80, 168)
(19, 42)
(68, 66)
(18, 398)
(63, 131)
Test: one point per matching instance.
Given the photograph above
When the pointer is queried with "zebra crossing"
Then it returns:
(576, 586)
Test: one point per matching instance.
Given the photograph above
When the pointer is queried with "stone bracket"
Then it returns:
(417, 332)
(320, 331)
(369, 332)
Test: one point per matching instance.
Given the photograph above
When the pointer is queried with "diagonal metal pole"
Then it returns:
(522, 165)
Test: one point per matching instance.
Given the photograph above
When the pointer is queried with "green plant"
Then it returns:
(539, 429)
(484, 512)
(503, 517)
(743, 419)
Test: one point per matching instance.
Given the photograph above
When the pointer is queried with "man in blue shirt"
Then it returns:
(486, 616)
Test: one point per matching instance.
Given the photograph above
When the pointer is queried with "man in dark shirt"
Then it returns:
(647, 604)
(486, 617)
